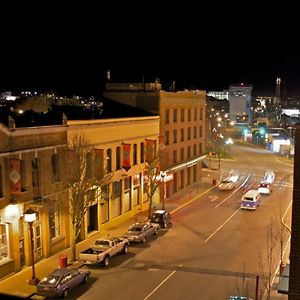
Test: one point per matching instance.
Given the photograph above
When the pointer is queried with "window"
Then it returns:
(189, 133)
(188, 152)
(174, 157)
(200, 148)
(89, 165)
(54, 220)
(34, 177)
(118, 158)
(175, 115)
(182, 154)
(181, 179)
(167, 116)
(201, 114)
(134, 154)
(174, 136)
(127, 194)
(182, 134)
(167, 138)
(4, 246)
(1, 182)
(108, 160)
(189, 115)
(195, 114)
(182, 115)
(55, 171)
(142, 149)
(195, 132)
(200, 131)
(195, 150)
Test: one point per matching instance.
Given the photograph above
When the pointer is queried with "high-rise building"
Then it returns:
(240, 103)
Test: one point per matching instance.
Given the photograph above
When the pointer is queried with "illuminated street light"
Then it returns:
(30, 217)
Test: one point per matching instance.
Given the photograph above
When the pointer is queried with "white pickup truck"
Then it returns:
(103, 250)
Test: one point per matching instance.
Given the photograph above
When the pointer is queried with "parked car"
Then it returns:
(161, 217)
(138, 232)
(239, 298)
(103, 250)
(61, 281)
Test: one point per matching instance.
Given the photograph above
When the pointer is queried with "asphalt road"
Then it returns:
(213, 249)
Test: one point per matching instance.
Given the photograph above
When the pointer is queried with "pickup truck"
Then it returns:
(103, 250)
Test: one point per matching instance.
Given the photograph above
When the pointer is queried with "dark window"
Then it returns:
(142, 153)
(89, 165)
(108, 160)
(189, 133)
(200, 131)
(134, 154)
(195, 114)
(195, 150)
(182, 134)
(118, 158)
(182, 115)
(182, 154)
(188, 152)
(127, 183)
(167, 138)
(167, 116)
(201, 113)
(55, 170)
(200, 148)
(181, 179)
(174, 136)
(174, 157)
(189, 115)
(175, 115)
(195, 132)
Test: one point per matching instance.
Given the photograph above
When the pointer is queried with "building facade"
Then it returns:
(32, 175)
(182, 129)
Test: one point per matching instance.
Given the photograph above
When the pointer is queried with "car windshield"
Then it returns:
(225, 181)
(51, 280)
(135, 228)
(248, 199)
(156, 216)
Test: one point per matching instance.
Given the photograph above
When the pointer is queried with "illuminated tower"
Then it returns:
(277, 92)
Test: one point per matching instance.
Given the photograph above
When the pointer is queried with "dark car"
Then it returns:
(161, 217)
(61, 281)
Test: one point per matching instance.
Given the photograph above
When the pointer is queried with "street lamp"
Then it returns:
(163, 175)
(30, 217)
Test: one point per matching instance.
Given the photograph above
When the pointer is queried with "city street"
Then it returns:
(213, 248)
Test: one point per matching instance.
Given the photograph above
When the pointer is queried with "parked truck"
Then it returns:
(103, 250)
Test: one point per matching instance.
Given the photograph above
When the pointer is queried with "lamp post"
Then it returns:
(30, 217)
(163, 175)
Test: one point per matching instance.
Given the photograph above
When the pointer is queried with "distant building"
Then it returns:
(220, 95)
(240, 103)
(182, 128)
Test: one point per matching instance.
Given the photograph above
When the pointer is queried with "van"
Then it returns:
(251, 200)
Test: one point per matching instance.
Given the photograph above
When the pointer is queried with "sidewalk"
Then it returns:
(16, 285)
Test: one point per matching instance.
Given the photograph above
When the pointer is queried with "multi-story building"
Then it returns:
(240, 103)
(182, 128)
(32, 176)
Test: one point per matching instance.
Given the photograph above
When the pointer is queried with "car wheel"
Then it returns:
(106, 261)
(156, 232)
(85, 279)
(143, 240)
(65, 293)
(165, 225)
(125, 249)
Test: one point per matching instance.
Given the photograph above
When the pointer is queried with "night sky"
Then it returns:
(52, 48)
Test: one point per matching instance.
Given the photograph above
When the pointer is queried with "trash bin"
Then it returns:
(63, 261)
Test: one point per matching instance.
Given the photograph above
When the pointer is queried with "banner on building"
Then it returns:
(15, 177)
(126, 156)
(99, 162)
(150, 150)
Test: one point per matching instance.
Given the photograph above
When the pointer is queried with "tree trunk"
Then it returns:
(150, 208)
(73, 248)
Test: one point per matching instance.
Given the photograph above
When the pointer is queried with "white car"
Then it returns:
(265, 188)
(226, 185)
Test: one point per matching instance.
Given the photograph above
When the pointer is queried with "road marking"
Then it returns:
(220, 227)
(149, 295)
(213, 198)
(187, 203)
(228, 196)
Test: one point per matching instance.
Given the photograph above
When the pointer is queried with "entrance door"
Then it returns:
(37, 241)
(92, 218)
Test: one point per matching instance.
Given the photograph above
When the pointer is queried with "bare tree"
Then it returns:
(267, 260)
(81, 178)
(243, 283)
(152, 178)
